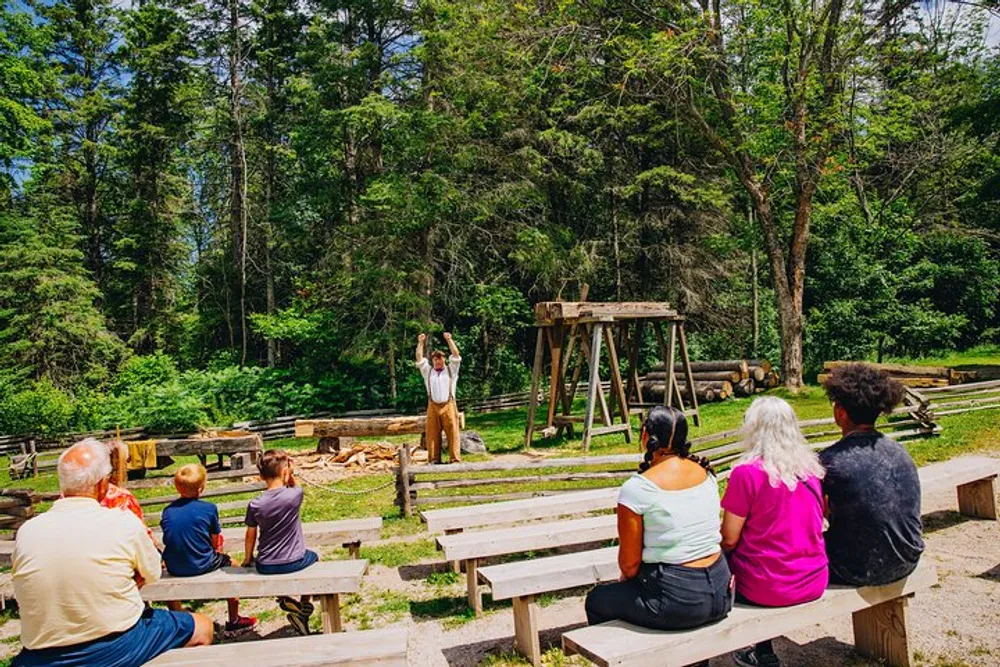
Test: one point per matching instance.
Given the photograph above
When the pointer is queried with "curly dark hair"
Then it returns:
(667, 428)
(863, 391)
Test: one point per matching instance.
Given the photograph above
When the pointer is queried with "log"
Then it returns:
(205, 446)
(763, 364)
(941, 372)
(704, 376)
(732, 365)
(743, 387)
(907, 381)
(706, 394)
(757, 373)
(550, 312)
(374, 426)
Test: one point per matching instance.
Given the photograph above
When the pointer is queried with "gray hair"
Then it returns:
(77, 479)
(772, 436)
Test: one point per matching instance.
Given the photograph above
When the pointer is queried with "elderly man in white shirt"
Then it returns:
(440, 379)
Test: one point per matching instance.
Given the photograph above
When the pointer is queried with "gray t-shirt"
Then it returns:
(276, 514)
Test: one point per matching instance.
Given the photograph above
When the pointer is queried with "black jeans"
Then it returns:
(665, 597)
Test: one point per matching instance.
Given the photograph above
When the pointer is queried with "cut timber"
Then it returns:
(757, 373)
(371, 426)
(733, 365)
(906, 381)
(549, 312)
(368, 648)
(204, 446)
(941, 372)
(763, 364)
(706, 376)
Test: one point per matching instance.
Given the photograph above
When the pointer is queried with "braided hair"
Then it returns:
(667, 428)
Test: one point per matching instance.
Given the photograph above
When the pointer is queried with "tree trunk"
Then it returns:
(237, 157)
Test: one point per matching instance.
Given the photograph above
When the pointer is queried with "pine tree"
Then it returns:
(50, 327)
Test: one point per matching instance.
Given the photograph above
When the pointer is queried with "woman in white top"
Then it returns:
(673, 574)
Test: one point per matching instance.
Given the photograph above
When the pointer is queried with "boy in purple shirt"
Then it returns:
(275, 515)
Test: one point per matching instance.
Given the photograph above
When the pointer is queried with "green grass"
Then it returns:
(982, 355)
(399, 553)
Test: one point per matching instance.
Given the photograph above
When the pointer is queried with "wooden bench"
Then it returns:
(456, 519)
(326, 580)
(880, 628)
(973, 476)
(349, 533)
(385, 648)
(470, 548)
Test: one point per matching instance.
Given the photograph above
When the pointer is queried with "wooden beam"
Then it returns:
(617, 386)
(593, 386)
(374, 426)
(536, 374)
(686, 360)
(549, 312)
(205, 446)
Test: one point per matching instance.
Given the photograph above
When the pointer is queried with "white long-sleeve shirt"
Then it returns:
(441, 384)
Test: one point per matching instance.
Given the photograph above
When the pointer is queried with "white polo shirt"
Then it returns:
(441, 384)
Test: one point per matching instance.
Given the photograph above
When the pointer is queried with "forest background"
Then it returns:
(214, 210)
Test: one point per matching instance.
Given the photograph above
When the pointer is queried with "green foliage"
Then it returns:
(39, 409)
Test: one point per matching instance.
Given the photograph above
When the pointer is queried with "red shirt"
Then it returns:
(119, 498)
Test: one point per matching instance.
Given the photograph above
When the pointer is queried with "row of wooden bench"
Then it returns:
(523, 581)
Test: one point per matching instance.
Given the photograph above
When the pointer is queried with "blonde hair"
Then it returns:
(771, 435)
(190, 480)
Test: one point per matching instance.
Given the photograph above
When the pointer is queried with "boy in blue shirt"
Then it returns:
(192, 537)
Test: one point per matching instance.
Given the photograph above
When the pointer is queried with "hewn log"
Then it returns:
(942, 372)
(375, 426)
(905, 380)
(203, 446)
(549, 312)
(732, 365)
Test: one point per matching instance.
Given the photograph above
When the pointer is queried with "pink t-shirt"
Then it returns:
(780, 559)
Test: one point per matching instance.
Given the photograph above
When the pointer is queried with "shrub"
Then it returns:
(39, 409)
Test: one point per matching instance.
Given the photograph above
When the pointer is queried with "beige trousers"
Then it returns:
(443, 416)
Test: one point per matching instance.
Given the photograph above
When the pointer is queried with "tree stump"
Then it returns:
(328, 445)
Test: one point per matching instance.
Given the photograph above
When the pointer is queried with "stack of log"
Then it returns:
(916, 377)
(18, 505)
(714, 380)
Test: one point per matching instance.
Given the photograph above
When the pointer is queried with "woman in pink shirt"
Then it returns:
(772, 524)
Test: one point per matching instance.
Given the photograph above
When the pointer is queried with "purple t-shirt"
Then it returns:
(780, 559)
(276, 514)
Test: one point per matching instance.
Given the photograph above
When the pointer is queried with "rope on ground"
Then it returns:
(328, 489)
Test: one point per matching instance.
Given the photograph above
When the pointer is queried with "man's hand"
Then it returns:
(139, 581)
(423, 337)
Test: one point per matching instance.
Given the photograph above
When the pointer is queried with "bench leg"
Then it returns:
(353, 549)
(978, 499)
(456, 566)
(880, 632)
(331, 613)
(472, 582)
(526, 629)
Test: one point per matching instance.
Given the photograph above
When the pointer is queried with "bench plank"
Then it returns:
(324, 578)
(619, 643)
(576, 502)
(554, 573)
(463, 546)
(317, 533)
(385, 648)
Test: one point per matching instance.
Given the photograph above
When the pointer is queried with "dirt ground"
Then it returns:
(956, 624)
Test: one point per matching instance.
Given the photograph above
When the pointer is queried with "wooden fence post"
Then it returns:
(403, 481)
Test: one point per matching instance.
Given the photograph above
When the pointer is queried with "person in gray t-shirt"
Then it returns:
(274, 514)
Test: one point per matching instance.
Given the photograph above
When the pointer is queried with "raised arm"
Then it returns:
(421, 339)
(451, 345)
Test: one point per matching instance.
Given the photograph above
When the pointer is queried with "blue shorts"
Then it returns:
(308, 559)
(157, 632)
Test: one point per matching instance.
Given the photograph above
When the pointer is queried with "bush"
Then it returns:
(143, 371)
(39, 409)
(167, 408)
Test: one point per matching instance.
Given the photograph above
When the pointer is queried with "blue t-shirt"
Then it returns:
(188, 524)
